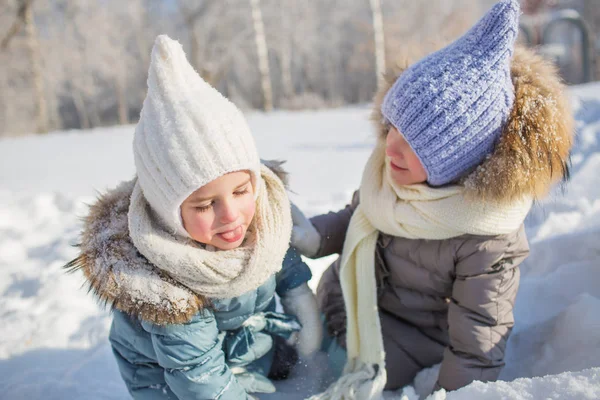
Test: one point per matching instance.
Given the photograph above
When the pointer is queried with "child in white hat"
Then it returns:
(190, 253)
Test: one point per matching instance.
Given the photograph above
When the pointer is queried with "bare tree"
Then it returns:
(263, 55)
(418, 28)
(93, 55)
(216, 30)
(191, 18)
(33, 46)
(379, 40)
(284, 47)
(24, 20)
(17, 24)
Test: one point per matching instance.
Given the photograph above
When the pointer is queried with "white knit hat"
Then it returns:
(188, 135)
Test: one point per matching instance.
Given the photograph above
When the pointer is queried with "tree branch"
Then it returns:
(17, 24)
(190, 16)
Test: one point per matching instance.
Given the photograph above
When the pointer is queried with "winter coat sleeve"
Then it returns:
(193, 360)
(294, 272)
(480, 313)
(332, 227)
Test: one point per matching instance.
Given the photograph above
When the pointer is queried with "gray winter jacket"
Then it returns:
(447, 301)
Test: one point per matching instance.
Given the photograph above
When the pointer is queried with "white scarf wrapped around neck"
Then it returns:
(222, 273)
(413, 212)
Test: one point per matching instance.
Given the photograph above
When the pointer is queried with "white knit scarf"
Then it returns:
(413, 212)
(223, 273)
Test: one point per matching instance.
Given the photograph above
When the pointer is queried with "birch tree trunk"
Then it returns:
(82, 113)
(285, 51)
(379, 40)
(33, 47)
(122, 108)
(263, 56)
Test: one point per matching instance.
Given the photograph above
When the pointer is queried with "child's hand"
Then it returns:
(304, 235)
(253, 382)
(301, 302)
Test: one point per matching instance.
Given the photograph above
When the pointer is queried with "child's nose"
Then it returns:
(229, 213)
(393, 145)
(393, 152)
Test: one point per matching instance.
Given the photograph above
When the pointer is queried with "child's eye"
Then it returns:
(241, 192)
(203, 208)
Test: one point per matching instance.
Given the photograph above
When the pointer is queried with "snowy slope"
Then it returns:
(53, 335)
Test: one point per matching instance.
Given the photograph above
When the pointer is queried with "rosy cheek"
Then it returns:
(201, 225)
(390, 146)
(204, 226)
(418, 168)
(250, 209)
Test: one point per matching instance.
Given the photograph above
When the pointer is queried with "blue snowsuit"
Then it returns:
(194, 360)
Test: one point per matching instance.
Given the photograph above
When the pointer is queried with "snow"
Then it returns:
(568, 385)
(53, 335)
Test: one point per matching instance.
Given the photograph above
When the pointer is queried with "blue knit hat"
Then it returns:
(451, 106)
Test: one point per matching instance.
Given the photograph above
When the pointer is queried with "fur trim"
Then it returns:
(382, 126)
(533, 151)
(277, 167)
(119, 275)
(122, 278)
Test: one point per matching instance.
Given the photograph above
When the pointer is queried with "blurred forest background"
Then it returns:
(79, 64)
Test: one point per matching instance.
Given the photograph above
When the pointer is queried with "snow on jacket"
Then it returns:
(451, 301)
(169, 342)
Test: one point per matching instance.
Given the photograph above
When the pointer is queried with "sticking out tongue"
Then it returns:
(233, 235)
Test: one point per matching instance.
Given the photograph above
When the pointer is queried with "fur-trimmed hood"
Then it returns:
(120, 276)
(533, 150)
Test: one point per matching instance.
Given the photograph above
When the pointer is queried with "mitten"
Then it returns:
(305, 236)
(301, 302)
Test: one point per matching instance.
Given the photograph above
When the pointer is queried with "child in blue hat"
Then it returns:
(430, 247)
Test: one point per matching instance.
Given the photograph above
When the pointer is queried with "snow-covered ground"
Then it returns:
(53, 335)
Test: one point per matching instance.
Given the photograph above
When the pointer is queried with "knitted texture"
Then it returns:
(188, 135)
(421, 212)
(219, 274)
(451, 105)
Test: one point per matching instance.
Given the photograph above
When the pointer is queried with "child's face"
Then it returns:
(405, 166)
(220, 212)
